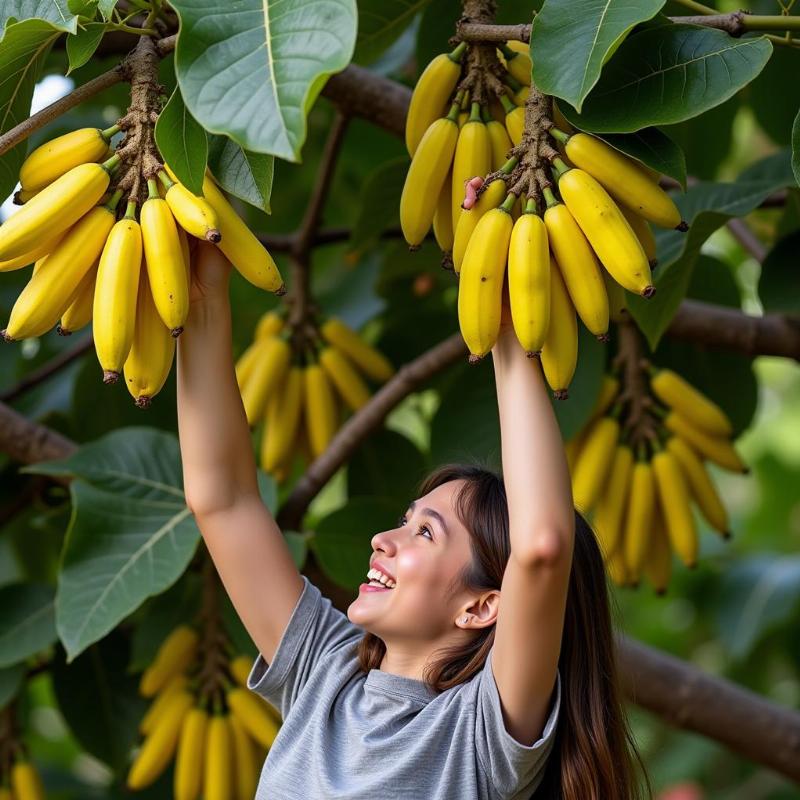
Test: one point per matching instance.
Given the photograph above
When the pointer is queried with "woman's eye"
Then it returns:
(427, 530)
(401, 521)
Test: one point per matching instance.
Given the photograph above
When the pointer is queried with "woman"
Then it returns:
(477, 663)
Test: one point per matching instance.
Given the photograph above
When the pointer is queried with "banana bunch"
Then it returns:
(641, 493)
(22, 781)
(203, 718)
(294, 379)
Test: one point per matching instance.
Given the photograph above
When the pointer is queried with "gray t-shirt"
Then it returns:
(348, 735)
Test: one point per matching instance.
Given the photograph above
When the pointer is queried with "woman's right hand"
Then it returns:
(210, 271)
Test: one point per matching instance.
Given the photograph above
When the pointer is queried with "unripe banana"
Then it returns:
(643, 233)
(343, 376)
(529, 281)
(430, 98)
(500, 143)
(166, 269)
(715, 449)
(639, 521)
(282, 420)
(52, 159)
(611, 504)
(79, 312)
(676, 392)
(188, 780)
(255, 719)
(674, 496)
(268, 372)
(560, 348)
(519, 65)
(150, 720)
(607, 230)
(594, 463)
(492, 196)
(115, 296)
(247, 768)
(426, 175)
(658, 561)
(32, 256)
(152, 349)
(443, 217)
(473, 157)
(481, 285)
(176, 653)
(25, 782)
(56, 208)
(322, 413)
(194, 214)
(372, 363)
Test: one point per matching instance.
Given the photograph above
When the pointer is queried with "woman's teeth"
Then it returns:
(377, 577)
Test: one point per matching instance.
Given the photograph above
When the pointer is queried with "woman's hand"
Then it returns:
(506, 323)
(210, 271)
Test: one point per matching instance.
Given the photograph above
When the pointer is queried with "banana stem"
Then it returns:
(112, 163)
(455, 110)
(111, 205)
(511, 82)
(530, 206)
(109, 132)
(475, 113)
(560, 167)
(559, 134)
(130, 211)
(549, 197)
(165, 179)
(458, 53)
(508, 106)
(508, 203)
(152, 189)
(508, 167)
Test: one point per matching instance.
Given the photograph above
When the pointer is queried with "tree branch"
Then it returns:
(28, 442)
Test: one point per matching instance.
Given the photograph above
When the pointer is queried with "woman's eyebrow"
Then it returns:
(433, 513)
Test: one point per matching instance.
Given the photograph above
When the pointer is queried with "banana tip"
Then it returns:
(604, 338)
(648, 291)
(5, 336)
(176, 332)
(683, 226)
(62, 331)
(412, 248)
(561, 394)
(281, 290)
(213, 235)
(110, 376)
(143, 401)
(534, 354)
(473, 359)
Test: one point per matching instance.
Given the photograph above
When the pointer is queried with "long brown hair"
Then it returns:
(594, 757)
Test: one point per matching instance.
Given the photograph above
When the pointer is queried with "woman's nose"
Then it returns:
(384, 541)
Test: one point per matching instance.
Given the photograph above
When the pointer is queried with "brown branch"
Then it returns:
(743, 234)
(28, 442)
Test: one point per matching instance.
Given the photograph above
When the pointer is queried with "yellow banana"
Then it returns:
(658, 561)
(617, 571)
(426, 175)
(443, 217)
(676, 392)
(700, 485)
(623, 178)
(150, 720)
(247, 768)
(592, 467)
(560, 348)
(343, 376)
(606, 229)
(25, 782)
(430, 98)
(268, 372)
(609, 389)
(674, 496)
(239, 668)
(56, 208)
(188, 781)
(282, 420)
(521, 96)
(253, 716)
(481, 284)
(611, 504)
(194, 214)
(643, 233)
(31, 256)
(372, 363)
(152, 349)
(52, 159)
(617, 303)
(473, 157)
(714, 448)
(639, 520)
(515, 120)
(176, 653)
(245, 363)
(21, 196)
(166, 269)
(500, 143)
(114, 310)
(79, 312)
(158, 748)
(579, 267)
(518, 64)
(55, 283)
(529, 281)
(270, 324)
(186, 253)
(322, 413)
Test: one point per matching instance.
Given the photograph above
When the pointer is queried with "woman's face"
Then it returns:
(423, 555)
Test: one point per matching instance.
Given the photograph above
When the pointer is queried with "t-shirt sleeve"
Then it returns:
(510, 765)
(314, 630)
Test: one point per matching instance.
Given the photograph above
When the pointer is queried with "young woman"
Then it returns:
(479, 660)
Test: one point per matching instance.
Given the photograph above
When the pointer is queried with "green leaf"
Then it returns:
(254, 74)
(27, 621)
(779, 283)
(56, 12)
(572, 39)
(669, 74)
(81, 45)
(182, 142)
(380, 22)
(298, 547)
(131, 535)
(23, 51)
(242, 173)
(773, 98)
(342, 541)
(10, 682)
(106, 8)
(654, 148)
(83, 8)
(796, 148)
(380, 203)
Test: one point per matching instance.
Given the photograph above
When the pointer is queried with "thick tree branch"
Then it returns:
(28, 442)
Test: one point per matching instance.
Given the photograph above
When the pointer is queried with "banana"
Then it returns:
(715, 449)
(639, 520)
(426, 175)
(152, 348)
(240, 668)
(500, 143)
(622, 177)
(674, 496)
(560, 348)
(150, 720)
(175, 654)
(52, 159)
(166, 269)
(159, 747)
(529, 281)
(515, 120)
(57, 207)
(218, 774)
(431, 95)
(617, 571)
(606, 229)
(658, 561)
(676, 392)
(268, 372)
(245, 364)
(643, 233)
(114, 310)
(609, 389)
(617, 303)
(31, 256)
(21, 196)
(25, 782)
(247, 768)
(322, 413)
(611, 504)
(443, 217)
(253, 716)
(343, 376)
(282, 420)
(186, 253)
(473, 156)
(372, 363)
(481, 285)
(55, 283)
(189, 759)
(270, 324)
(700, 485)
(518, 64)
(592, 467)
(579, 267)
(194, 214)
(79, 312)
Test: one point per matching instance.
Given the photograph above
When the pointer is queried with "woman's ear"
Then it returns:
(483, 611)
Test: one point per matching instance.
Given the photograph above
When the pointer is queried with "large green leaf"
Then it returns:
(668, 74)
(131, 535)
(10, 681)
(56, 12)
(81, 45)
(572, 39)
(254, 74)
(773, 98)
(380, 22)
(654, 148)
(244, 174)
(27, 621)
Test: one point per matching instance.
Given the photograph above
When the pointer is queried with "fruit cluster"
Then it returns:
(640, 489)
(289, 378)
(218, 738)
